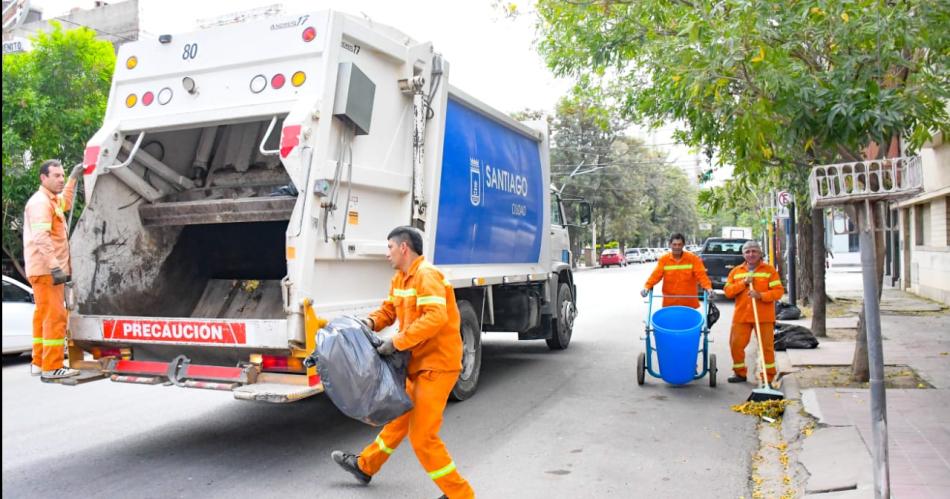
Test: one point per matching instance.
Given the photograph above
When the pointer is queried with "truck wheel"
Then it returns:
(564, 326)
(471, 353)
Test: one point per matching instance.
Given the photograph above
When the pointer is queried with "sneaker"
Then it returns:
(62, 372)
(35, 370)
(736, 379)
(350, 462)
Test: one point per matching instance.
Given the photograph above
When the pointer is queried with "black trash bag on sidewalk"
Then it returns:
(792, 336)
(786, 312)
(361, 383)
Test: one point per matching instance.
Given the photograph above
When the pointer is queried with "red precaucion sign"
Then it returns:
(224, 333)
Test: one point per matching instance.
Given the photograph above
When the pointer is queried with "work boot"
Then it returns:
(62, 372)
(735, 378)
(350, 462)
(35, 370)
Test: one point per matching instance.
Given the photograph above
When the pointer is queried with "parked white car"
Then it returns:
(17, 317)
(633, 255)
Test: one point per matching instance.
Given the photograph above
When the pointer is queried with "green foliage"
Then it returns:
(636, 196)
(773, 86)
(54, 98)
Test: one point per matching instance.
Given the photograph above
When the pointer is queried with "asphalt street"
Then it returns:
(542, 425)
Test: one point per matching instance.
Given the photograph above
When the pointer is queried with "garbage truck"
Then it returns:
(241, 187)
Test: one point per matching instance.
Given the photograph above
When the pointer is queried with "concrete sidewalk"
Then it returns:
(836, 454)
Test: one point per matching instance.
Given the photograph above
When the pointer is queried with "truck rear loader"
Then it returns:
(241, 186)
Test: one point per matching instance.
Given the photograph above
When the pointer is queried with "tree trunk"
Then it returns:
(818, 256)
(803, 268)
(859, 368)
(16, 264)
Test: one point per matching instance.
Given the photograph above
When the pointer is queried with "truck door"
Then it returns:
(560, 241)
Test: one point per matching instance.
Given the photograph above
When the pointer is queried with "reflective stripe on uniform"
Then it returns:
(389, 298)
(430, 300)
(441, 472)
(678, 267)
(404, 292)
(42, 226)
(56, 343)
(382, 445)
(770, 366)
(743, 275)
(37, 341)
(738, 366)
(775, 283)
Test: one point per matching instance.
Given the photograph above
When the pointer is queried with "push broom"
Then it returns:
(765, 391)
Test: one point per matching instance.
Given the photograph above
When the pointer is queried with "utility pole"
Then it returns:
(859, 184)
(792, 253)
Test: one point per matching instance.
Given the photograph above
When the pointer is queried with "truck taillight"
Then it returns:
(298, 78)
(258, 84)
(281, 364)
(131, 100)
(278, 81)
(289, 139)
(89, 159)
(309, 34)
(147, 98)
(131, 62)
(164, 96)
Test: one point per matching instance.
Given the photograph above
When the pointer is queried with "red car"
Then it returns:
(612, 257)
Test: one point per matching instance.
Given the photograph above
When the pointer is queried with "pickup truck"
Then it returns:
(720, 255)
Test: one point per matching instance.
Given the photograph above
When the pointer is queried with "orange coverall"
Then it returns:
(680, 277)
(767, 282)
(424, 303)
(45, 247)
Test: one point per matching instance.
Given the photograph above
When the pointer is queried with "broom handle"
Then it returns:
(758, 334)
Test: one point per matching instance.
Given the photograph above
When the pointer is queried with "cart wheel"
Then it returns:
(641, 360)
(712, 370)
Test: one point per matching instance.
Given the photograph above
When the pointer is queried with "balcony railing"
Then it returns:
(873, 180)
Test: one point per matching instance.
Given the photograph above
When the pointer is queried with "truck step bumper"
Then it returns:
(276, 392)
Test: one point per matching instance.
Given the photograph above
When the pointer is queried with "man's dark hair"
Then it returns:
(44, 168)
(678, 236)
(409, 235)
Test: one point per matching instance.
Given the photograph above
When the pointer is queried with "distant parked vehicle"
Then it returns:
(17, 317)
(612, 257)
(720, 255)
(634, 255)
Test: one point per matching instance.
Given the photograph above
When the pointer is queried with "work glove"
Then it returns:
(644, 292)
(76, 174)
(60, 277)
(387, 348)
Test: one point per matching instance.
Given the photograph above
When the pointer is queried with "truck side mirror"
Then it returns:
(583, 212)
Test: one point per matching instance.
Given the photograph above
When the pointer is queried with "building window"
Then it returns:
(921, 223)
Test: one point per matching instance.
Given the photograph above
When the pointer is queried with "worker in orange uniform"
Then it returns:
(753, 279)
(46, 254)
(424, 303)
(682, 272)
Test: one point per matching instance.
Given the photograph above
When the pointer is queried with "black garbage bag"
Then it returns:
(361, 383)
(792, 336)
(786, 312)
(712, 315)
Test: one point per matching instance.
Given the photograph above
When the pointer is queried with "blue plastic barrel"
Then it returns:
(676, 330)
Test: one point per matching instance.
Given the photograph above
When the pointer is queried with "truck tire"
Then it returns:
(471, 353)
(564, 325)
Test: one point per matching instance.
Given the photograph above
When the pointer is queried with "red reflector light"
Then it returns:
(309, 34)
(289, 139)
(147, 98)
(273, 362)
(278, 80)
(89, 159)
